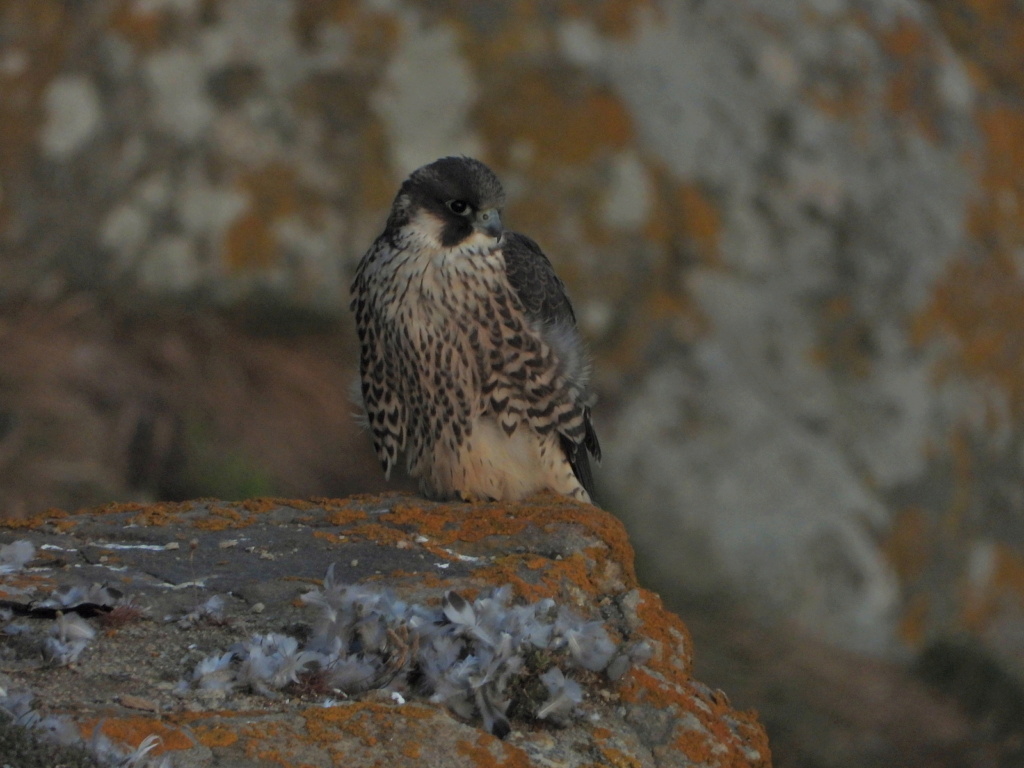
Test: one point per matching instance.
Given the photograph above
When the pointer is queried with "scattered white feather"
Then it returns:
(13, 556)
(72, 627)
(19, 707)
(61, 730)
(138, 756)
(464, 655)
(214, 673)
(68, 637)
(634, 654)
(212, 610)
(72, 595)
(58, 730)
(563, 695)
(589, 645)
(351, 674)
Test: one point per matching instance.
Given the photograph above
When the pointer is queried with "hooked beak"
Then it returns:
(489, 222)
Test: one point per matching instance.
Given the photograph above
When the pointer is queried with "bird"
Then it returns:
(471, 361)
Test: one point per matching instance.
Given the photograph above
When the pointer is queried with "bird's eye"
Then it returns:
(458, 207)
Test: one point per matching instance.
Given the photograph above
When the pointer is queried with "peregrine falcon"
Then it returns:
(471, 363)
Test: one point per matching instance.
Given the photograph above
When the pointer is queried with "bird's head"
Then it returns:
(454, 201)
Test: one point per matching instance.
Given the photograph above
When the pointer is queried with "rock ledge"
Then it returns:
(262, 555)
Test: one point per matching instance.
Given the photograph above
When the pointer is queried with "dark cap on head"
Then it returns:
(457, 178)
(462, 192)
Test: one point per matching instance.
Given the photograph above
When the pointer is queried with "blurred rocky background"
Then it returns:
(793, 232)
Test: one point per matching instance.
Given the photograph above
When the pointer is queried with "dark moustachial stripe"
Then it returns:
(494, 334)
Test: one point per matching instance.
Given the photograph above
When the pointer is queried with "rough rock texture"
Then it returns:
(262, 555)
(805, 438)
(791, 230)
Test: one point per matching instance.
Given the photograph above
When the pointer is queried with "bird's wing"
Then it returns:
(561, 400)
(385, 411)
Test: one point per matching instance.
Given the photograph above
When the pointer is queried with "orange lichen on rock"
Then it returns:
(63, 526)
(446, 525)
(215, 736)
(700, 748)
(684, 222)
(274, 193)
(264, 505)
(909, 544)
(665, 629)
(144, 27)
(258, 735)
(345, 516)
(700, 221)
(911, 90)
(489, 752)
(216, 523)
(585, 571)
(979, 302)
(549, 547)
(913, 622)
(907, 548)
(372, 32)
(549, 582)
(132, 731)
(981, 604)
(15, 586)
(355, 718)
(977, 309)
(999, 217)
(564, 124)
(36, 35)
(664, 683)
(495, 521)
(618, 18)
(844, 99)
(989, 33)
(844, 344)
(430, 521)
(152, 514)
(115, 508)
(619, 759)
(333, 538)
(381, 534)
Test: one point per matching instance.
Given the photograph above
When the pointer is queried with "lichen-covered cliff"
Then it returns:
(458, 635)
(791, 231)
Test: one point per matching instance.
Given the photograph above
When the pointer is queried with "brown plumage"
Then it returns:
(471, 363)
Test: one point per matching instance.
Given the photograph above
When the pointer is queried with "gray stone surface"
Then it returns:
(790, 230)
(139, 675)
